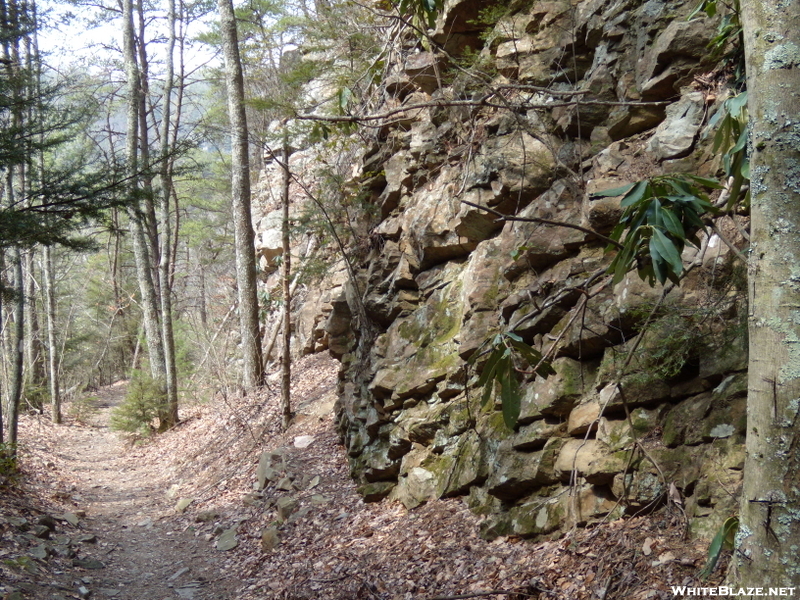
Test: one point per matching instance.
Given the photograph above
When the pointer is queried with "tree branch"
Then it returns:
(482, 101)
(486, 593)
(501, 217)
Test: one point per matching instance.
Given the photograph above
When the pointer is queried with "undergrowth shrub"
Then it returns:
(83, 409)
(8, 464)
(36, 397)
(141, 406)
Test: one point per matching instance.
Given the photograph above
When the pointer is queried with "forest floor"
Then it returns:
(181, 516)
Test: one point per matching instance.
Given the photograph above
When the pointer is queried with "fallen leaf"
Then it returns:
(647, 547)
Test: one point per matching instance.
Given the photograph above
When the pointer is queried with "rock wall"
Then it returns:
(441, 276)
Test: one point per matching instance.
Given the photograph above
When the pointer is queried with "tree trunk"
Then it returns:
(5, 48)
(769, 532)
(11, 54)
(19, 339)
(48, 273)
(2, 347)
(253, 375)
(34, 356)
(144, 276)
(149, 221)
(52, 344)
(165, 262)
(149, 302)
(202, 290)
(286, 271)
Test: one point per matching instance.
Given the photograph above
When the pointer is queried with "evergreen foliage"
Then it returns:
(664, 213)
(71, 186)
(141, 406)
(82, 409)
(8, 463)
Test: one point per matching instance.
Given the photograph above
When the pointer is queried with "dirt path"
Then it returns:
(303, 533)
(119, 496)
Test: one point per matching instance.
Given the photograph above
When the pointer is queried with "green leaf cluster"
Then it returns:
(661, 216)
(728, 40)
(500, 371)
(731, 140)
(424, 12)
(67, 184)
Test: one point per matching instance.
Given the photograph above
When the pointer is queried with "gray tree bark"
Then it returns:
(48, 272)
(147, 206)
(4, 387)
(10, 17)
(149, 300)
(12, 417)
(286, 273)
(165, 260)
(34, 356)
(769, 532)
(253, 372)
(3, 353)
(52, 343)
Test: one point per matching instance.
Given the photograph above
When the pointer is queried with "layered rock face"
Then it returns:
(635, 417)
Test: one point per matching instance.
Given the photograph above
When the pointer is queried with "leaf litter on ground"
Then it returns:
(309, 535)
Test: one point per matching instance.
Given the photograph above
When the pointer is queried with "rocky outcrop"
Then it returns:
(626, 418)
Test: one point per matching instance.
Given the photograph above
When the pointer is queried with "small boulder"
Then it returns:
(88, 539)
(270, 538)
(41, 552)
(70, 518)
(286, 506)
(375, 491)
(303, 441)
(47, 521)
(227, 540)
(42, 532)
(206, 516)
(675, 137)
(285, 484)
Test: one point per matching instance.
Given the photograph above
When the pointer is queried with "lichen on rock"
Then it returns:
(446, 270)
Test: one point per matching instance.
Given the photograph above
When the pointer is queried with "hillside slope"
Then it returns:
(306, 535)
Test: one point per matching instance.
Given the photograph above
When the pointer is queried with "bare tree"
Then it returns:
(253, 375)
(52, 344)
(165, 250)
(144, 274)
(9, 26)
(286, 358)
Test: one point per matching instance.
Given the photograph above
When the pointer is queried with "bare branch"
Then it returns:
(480, 102)
(486, 593)
(501, 217)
